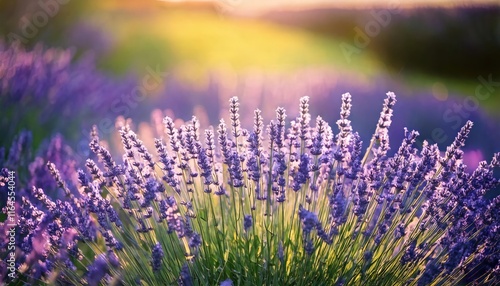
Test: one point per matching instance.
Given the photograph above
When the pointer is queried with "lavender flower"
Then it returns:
(227, 282)
(55, 173)
(235, 121)
(304, 118)
(19, 149)
(51, 81)
(185, 278)
(317, 141)
(420, 215)
(254, 170)
(247, 222)
(235, 172)
(205, 166)
(97, 270)
(257, 131)
(302, 174)
(170, 212)
(224, 142)
(157, 257)
(280, 127)
(384, 122)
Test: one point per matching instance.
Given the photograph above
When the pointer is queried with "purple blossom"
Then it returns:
(302, 174)
(257, 133)
(292, 136)
(168, 164)
(185, 278)
(157, 257)
(354, 163)
(55, 173)
(400, 231)
(430, 272)
(253, 167)
(337, 207)
(235, 172)
(141, 149)
(224, 142)
(317, 141)
(304, 119)
(97, 270)
(247, 222)
(384, 122)
(20, 148)
(191, 141)
(205, 165)
(428, 159)
(281, 251)
(152, 188)
(453, 150)
(309, 220)
(172, 132)
(279, 127)
(361, 197)
(385, 116)
(344, 126)
(410, 254)
(195, 240)
(308, 246)
(103, 154)
(95, 171)
(227, 282)
(235, 117)
(170, 212)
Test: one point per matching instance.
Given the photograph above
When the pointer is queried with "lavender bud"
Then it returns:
(157, 257)
(247, 222)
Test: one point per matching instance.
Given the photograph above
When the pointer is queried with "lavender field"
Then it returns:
(222, 143)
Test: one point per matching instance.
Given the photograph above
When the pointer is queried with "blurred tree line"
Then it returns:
(39, 21)
(461, 42)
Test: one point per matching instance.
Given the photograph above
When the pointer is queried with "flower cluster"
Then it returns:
(50, 81)
(302, 205)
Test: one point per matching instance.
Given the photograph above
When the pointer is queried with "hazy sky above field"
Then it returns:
(253, 5)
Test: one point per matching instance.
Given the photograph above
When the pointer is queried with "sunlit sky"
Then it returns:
(256, 5)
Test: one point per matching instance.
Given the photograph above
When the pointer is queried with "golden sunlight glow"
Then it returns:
(246, 6)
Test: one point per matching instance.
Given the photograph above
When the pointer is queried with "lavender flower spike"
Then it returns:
(156, 257)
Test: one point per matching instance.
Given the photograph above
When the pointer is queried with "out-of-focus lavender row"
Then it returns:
(438, 119)
(48, 90)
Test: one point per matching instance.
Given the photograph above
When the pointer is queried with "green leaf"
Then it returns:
(203, 214)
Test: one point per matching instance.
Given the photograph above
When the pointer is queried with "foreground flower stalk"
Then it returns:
(298, 205)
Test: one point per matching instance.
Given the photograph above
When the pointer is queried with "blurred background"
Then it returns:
(146, 59)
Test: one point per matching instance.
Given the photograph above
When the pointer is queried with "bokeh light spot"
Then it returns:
(439, 91)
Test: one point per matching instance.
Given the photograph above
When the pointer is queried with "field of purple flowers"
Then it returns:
(223, 200)
(158, 179)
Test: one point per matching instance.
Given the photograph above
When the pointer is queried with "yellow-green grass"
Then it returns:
(201, 41)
